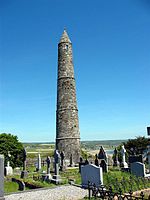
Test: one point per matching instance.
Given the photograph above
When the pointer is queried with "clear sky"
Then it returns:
(111, 49)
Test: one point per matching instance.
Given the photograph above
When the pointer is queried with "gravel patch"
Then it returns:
(58, 193)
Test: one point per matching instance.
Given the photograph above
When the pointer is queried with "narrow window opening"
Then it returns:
(67, 47)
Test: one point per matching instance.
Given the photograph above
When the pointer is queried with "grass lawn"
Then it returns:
(114, 178)
(10, 187)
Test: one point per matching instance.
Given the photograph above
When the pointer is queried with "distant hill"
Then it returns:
(96, 144)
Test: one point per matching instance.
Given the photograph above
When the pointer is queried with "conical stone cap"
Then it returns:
(65, 37)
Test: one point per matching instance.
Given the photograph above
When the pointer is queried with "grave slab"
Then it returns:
(91, 173)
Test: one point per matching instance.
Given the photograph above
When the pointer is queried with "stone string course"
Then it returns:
(58, 193)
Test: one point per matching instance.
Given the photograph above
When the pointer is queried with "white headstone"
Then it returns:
(123, 151)
(8, 170)
(91, 173)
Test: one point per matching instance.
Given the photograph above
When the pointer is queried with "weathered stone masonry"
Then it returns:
(67, 124)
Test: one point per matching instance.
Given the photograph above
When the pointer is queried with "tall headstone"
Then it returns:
(56, 177)
(96, 160)
(148, 156)
(67, 123)
(102, 154)
(62, 156)
(39, 162)
(2, 177)
(123, 152)
(24, 173)
(115, 157)
(48, 161)
(104, 166)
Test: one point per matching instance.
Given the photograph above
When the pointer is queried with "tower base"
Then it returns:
(70, 147)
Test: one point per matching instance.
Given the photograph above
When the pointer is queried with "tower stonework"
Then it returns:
(67, 123)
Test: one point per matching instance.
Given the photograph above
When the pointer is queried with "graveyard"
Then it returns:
(40, 170)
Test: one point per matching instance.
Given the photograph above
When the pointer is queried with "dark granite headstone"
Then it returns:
(62, 156)
(81, 163)
(102, 154)
(24, 173)
(48, 161)
(115, 158)
(96, 160)
(148, 130)
(103, 164)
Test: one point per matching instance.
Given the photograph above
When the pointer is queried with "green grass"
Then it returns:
(113, 178)
(71, 174)
(10, 187)
(125, 181)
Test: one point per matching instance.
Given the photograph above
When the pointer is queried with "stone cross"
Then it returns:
(123, 152)
(2, 177)
(24, 172)
(56, 178)
(57, 161)
(8, 169)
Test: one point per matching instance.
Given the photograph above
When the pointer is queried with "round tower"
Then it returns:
(67, 123)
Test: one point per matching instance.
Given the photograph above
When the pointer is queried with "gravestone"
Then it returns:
(149, 161)
(71, 161)
(24, 173)
(8, 170)
(62, 156)
(91, 173)
(2, 177)
(102, 153)
(123, 152)
(48, 175)
(138, 169)
(96, 160)
(115, 158)
(80, 164)
(104, 166)
(39, 163)
(56, 178)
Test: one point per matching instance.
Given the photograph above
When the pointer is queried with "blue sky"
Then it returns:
(111, 49)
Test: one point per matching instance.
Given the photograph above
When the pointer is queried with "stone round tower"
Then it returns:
(67, 123)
